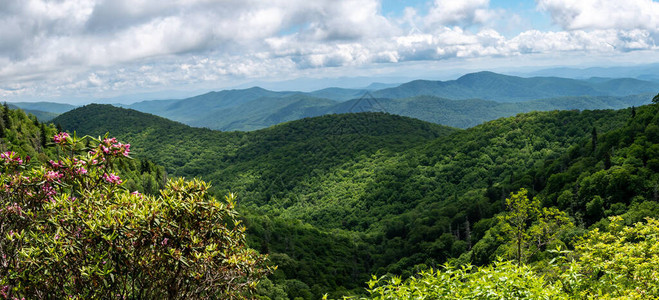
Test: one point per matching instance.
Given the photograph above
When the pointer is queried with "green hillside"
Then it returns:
(194, 108)
(256, 164)
(336, 198)
(263, 112)
(471, 112)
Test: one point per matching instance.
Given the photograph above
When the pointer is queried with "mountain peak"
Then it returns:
(483, 75)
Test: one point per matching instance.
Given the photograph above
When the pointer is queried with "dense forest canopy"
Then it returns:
(336, 198)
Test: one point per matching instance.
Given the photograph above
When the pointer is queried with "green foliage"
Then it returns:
(69, 229)
(501, 280)
(619, 263)
(529, 226)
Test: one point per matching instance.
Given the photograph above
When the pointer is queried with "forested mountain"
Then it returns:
(336, 198)
(267, 111)
(194, 108)
(468, 101)
(504, 88)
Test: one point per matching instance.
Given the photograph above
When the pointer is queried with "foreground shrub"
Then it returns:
(619, 263)
(69, 230)
(502, 280)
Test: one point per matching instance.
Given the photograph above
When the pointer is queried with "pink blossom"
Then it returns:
(53, 175)
(81, 170)
(60, 138)
(164, 241)
(111, 178)
(126, 149)
(57, 164)
(11, 156)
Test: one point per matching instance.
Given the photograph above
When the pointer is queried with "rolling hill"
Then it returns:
(392, 193)
(267, 111)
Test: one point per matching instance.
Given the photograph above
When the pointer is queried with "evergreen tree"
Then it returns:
(42, 133)
(5, 116)
(594, 138)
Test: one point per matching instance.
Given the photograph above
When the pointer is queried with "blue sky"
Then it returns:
(79, 50)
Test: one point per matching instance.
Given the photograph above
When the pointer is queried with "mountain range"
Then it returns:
(465, 102)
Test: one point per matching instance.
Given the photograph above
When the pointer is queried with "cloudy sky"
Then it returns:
(83, 49)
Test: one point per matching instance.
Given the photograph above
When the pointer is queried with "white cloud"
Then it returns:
(464, 12)
(603, 14)
(88, 47)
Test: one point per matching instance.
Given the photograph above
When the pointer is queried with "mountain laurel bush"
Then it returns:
(68, 229)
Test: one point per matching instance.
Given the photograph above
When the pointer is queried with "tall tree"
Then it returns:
(5, 116)
(594, 138)
(530, 227)
(42, 133)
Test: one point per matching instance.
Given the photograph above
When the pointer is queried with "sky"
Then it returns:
(78, 50)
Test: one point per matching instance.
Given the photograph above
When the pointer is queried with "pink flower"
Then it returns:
(11, 156)
(7, 155)
(110, 141)
(126, 149)
(56, 164)
(53, 175)
(60, 138)
(81, 170)
(164, 241)
(111, 178)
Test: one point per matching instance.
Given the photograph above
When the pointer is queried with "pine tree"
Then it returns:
(594, 138)
(5, 116)
(42, 133)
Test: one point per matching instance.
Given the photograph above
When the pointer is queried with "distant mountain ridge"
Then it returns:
(455, 101)
(504, 88)
(467, 101)
(44, 111)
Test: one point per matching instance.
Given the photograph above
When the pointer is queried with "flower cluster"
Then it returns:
(111, 146)
(12, 158)
(53, 175)
(62, 138)
(111, 178)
